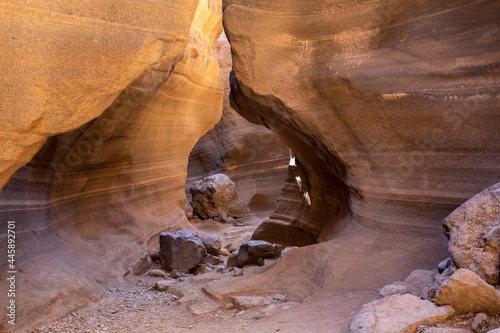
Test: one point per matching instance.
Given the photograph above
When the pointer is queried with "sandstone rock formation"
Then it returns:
(466, 292)
(474, 232)
(398, 313)
(389, 108)
(90, 200)
(254, 157)
(215, 195)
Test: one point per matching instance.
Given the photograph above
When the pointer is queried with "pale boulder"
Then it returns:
(398, 314)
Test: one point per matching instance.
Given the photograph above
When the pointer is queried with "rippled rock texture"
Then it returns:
(390, 107)
(88, 203)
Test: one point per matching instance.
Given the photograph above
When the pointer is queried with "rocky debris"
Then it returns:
(478, 322)
(154, 254)
(398, 313)
(418, 280)
(431, 292)
(443, 330)
(232, 260)
(495, 331)
(163, 285)
(174, 274)
(443, 265)
(212, 243)
(466, 292)
(213, 260)
(214, 195)
(141, 265)
(474, 233)
(251, 251)
(280, 298)
(156, 273)
(463, 323)
(224, 252)
(181, 250)
(268, 311)
(232, 247)
(397, 288)
(249, 302)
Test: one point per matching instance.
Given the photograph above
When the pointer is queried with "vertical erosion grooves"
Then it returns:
(105, 189)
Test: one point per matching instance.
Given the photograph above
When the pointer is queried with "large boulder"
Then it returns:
(466, 292)
(215, 195)
(474, 233)
(252, 251)
(181, 250)
(398, 313)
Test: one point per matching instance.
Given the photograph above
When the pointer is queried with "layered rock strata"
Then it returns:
(90, 200)
(389, 107)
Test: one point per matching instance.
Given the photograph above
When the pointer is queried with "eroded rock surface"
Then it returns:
(140, 83)
(353, 89)
(474, 232)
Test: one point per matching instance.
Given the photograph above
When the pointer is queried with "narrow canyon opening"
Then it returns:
(352, 133)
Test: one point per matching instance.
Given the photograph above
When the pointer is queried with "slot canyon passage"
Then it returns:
(351, 130)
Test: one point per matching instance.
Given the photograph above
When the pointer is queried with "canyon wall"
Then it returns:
(253, 156)
(134, 85)
(390, 107)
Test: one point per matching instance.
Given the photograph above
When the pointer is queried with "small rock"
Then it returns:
(232, 260)
(212, 243)
(213, 260)
(280, 297)
(141, 265)
(418, 280)
(466, 292)
(232, 247)
(157, 273)
(251, 251)
(174, 274)
(478, 321)
(268, 311)
(163, 285)
(393, 289)
(248, 302)
(224, 252)
(154, 254)
(200, 269)
(398, 313)
(444, 265)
